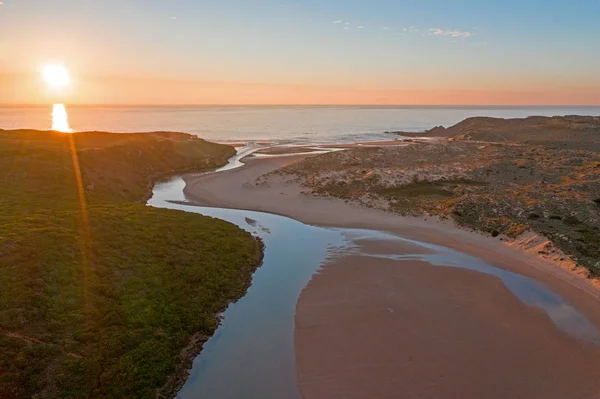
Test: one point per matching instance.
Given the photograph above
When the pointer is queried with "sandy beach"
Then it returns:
(370, 328)
(450, 332)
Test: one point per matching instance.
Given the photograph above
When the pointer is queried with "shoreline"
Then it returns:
(232, 189)
(196, 342)
(330, 319)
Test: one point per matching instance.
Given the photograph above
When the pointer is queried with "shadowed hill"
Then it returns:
(574, 132)
(101, 302)
(115, 167)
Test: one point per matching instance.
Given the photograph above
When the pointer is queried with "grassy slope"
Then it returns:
(105, 310)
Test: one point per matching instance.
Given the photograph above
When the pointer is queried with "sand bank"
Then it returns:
(273, 148)
(454, 333)
(372, 328)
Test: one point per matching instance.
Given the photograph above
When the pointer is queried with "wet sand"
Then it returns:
(467, 336)
(375, 328)
(305, 149)
(287, 150)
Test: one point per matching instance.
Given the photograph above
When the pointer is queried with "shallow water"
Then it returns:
(251, 354)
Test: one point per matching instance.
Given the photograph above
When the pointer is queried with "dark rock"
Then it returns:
(570, 220)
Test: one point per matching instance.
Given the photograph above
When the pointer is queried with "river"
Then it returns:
(251, 354)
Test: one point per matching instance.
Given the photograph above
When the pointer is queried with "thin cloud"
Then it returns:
(346, 23)
(449, 32)
(385, 28)
(360, 27)
(173, 17)
(338, 22)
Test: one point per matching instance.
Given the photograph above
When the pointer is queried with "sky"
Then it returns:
(423, 52)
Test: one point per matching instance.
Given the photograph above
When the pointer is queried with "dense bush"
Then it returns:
(102, 305)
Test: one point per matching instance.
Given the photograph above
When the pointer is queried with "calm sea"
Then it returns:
(322, 124)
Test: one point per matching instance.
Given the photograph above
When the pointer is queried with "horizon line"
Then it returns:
(134, 105)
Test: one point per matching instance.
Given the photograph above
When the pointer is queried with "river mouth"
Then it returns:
(251, 354)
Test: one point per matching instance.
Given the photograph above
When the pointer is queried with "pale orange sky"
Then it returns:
(431, 52)
(29, 89)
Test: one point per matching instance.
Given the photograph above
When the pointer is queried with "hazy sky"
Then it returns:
(304, 51)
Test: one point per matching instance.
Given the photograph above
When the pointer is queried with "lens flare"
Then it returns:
(60, 119)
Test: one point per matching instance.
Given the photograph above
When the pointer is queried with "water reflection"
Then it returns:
(251, 355)
(527, 290)
(60, 119)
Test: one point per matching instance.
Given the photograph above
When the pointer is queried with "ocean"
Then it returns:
(286, 124)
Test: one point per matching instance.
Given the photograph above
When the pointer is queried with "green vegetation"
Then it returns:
(436, 188)
(419, 189)
(111, 300)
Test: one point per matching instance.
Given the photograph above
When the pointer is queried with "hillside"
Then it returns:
(100, 300)
(574, 132)
(114, 167)
(498, 189)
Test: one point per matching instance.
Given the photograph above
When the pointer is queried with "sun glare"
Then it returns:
(56, 76)
(60, 119)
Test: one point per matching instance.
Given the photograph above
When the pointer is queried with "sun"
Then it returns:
(56, 76)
